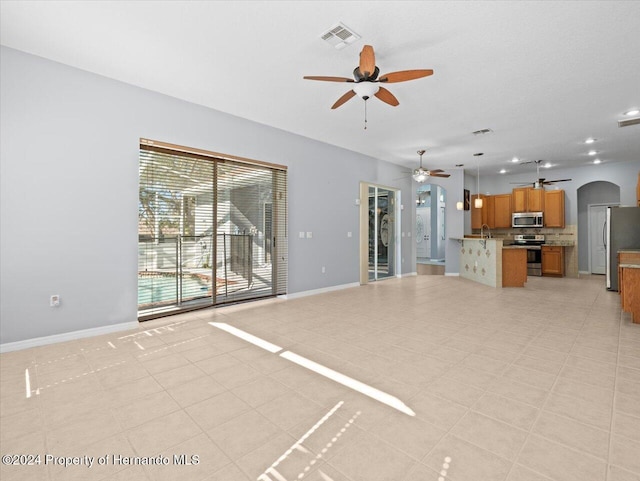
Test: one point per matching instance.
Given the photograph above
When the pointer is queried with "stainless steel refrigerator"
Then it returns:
(622, 232)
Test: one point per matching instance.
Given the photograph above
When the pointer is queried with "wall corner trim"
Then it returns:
(66, 336)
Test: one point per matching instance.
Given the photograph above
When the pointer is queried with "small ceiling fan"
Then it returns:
(420, 174)
(541, 182)
(366, 80)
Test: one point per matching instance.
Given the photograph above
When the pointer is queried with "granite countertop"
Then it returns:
(629, 266)
(561, 243)
(628, 250)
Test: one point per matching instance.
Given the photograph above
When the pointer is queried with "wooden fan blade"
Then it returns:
(404, 75)
(387, 97)
(557, 180)
(343, 99)
(367, 61)
(328, 79)
(436, 171)
(438, 175)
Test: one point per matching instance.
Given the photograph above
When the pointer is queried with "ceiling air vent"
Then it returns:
(627, 123)
(340, 36)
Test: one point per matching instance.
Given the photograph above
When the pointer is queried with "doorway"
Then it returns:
(381, 233)
(379, 227)
(430, 229)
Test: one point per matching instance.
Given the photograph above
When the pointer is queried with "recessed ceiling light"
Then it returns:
(515, 159)
(592, 152)
(547, 165)
(597, 161)
(503, 171)
(632, 112)
(590, 140)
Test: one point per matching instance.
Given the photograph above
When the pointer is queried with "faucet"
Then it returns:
(482, 231)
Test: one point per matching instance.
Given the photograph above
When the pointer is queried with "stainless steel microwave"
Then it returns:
(527, 219)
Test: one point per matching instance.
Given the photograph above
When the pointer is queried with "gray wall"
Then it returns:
(69, 193)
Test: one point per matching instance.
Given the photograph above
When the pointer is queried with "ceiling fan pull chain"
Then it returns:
(365, 114)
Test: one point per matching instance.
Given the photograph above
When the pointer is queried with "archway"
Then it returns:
(430, 229)
(593, 199)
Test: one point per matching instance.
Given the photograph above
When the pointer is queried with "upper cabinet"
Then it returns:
(495, 211)
(535, 200)
(554, 208)
(502, 211)
(519, 196)
(478, 215)
(528, 199)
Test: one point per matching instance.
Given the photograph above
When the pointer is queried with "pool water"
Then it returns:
(162, 289)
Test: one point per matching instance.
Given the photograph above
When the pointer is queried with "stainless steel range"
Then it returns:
(533, 243)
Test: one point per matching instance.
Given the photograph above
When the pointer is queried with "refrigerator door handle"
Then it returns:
(604, 237)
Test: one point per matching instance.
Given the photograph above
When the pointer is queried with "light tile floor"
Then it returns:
(533, 384)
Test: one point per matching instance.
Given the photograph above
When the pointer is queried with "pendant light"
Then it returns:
(478, 202)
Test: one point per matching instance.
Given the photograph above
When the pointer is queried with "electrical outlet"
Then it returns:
(323, 269)
(476, 264)
(54, 300)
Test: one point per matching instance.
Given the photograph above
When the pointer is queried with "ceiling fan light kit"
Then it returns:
(421, 174)
(365, 90)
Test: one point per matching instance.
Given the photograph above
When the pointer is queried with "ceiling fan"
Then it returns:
(366, 80)
(541, 182)
(421, 174)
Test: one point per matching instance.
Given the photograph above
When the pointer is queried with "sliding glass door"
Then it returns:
(211, 231)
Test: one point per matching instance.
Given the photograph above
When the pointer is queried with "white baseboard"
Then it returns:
(452, 274)
(66, 336)
(584, 273)
(408, 274)
(323, 290)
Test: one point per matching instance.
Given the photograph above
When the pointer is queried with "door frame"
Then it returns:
(364, 229)
(589, 246)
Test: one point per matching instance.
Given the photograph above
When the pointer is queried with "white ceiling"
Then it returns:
(542, 75)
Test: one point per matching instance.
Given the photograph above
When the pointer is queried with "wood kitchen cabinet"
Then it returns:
(502, 211)
(478, 216)
(495, 212)
(554, 208)
(519, 197)
(535, 200)
(514, 267)
(553, 261)
(489, 204)
(528, 199)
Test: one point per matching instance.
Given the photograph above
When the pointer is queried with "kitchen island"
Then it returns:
(489, 262)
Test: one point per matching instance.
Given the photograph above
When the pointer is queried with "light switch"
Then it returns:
(349, 234)
(301, 235)
(309, 235)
